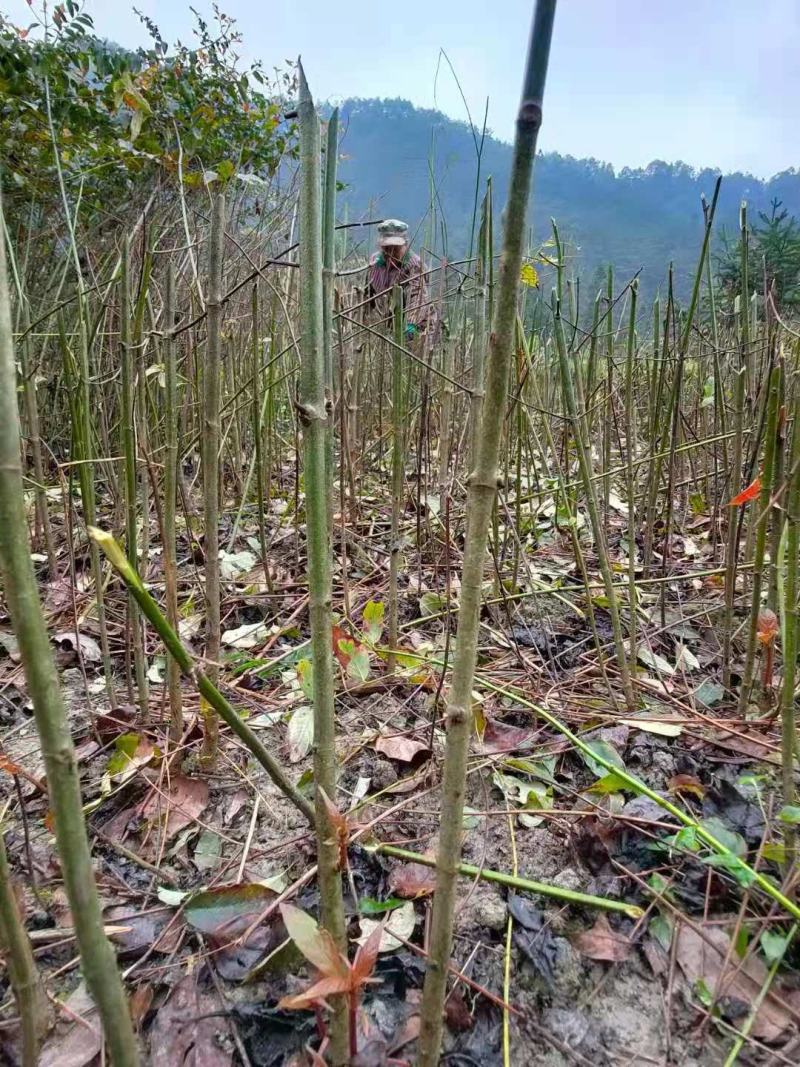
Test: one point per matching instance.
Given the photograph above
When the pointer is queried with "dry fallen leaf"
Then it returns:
(500, 737)
(79, 1043)
(403, 749)
(603, 943)
(412, 880)
(702, 957)
(177, 806)
(190, 1029)
(686, 783)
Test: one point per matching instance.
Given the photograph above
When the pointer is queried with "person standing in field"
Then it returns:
(395, 264)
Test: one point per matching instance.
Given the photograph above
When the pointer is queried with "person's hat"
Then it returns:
(392, 232)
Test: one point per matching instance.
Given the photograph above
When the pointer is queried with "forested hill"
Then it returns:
(393, 153)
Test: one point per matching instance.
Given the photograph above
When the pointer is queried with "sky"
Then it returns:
(710, 82)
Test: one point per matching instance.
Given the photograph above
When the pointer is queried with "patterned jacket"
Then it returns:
(385, 273)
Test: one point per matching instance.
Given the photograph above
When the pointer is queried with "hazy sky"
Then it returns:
(711, 82)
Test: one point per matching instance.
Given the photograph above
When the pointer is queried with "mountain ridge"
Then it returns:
(396, 158)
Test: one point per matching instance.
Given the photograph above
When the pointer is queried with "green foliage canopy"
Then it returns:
(120, 118)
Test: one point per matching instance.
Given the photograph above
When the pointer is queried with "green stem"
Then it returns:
(313, 415)
(480, 501)
(571, 896)
(211, 466)
(128, 449)
(732, 545)
(789, 629)
(202, 682)
(584, 465)
(397, 468)
(170, 501)
(22, 971)
(97, 957)
(761, 538)
(328, 270)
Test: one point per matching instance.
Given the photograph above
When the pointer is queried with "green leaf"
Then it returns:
(371, 906)
(734, 866)
(208, 851)
(790, 814)
(432, 604)
(734, 842)
(374, 611)
(606, 752)
(775, 852)
(125, 746)
(212, 911)
(315, 943)
(742, 941)
(660, 927)
(774, 945)
(704, 994)
(300, 733)
(654, 661)
(543, 768)
(131, 753)
(358, 666)
(233, 564)
(471, 818)
(305, 674)
(709, 693)
(685, 839)
(609, 783)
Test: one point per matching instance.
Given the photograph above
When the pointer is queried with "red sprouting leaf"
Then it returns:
(364, 963)
(325, 987)
(316, 944)
(339, 824)
(8, 766)
(750, 493)
(767, 626)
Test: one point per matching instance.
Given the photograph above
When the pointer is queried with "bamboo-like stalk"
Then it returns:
(762, 524)
(479, 334)
(23, 973)
(128, 449)
(171, 460)
(397, 469)
(32, 416)
(791, 589)
(142, 437)
(328, 269)
(480, 501)
(98, 960)
(630, 450)
(446, 415)
(313, 417)
(608, 422)
(258, 448)
(585, 469)
(211, 466)
(207, 689)
(732, 544)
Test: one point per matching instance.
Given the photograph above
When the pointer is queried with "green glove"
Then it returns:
(411, 331)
